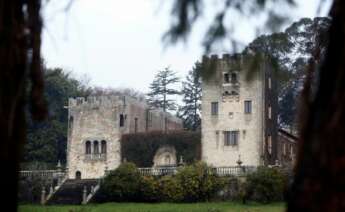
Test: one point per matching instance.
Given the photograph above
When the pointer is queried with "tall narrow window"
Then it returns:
(217, 139)
(230, 138)
(88, 147)
(103, 147)
(269, 144)
(214, 108)
(269, 83)
(233, 78)
(150, 119)
(247, 107)
(269, 112)
(122, 120)
(135, 125)
(226, 78)
(95, 147)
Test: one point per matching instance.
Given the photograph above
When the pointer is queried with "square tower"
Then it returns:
(239, 118)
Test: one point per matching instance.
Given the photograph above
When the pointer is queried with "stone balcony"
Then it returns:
(95, 157)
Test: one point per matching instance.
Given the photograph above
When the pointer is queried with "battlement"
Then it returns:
(222, 57)
(103, 101)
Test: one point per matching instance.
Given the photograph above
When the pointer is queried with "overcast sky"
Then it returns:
(118, 43)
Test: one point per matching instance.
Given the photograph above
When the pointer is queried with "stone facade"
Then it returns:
(287, 148)
(238, 116)
(96, 125)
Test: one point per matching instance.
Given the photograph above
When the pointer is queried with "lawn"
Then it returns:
(158, 207)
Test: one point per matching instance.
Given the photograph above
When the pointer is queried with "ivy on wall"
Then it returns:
(140, 148)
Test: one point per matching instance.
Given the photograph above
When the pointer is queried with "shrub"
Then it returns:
(265, 185)
(170, 189)
(122, 184)
(199, 182)
(150, 189)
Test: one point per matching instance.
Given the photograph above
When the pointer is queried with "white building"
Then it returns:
(238, 116)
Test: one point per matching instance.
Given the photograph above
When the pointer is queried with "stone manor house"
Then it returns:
(239, 123)
(96, 125)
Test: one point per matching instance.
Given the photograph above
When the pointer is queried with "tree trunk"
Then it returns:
(319, 182)
(20, 31)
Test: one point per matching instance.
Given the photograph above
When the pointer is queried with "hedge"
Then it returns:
(140, 148)
(193, 183)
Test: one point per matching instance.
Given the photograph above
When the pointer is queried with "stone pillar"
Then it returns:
(43, 196)
(51, 190)
(84, 195)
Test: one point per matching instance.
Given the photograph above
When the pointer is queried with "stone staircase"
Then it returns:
(73, 192)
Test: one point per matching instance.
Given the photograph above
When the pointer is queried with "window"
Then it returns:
(150, 119)
(230, 138)
(95, 147)
(233, 78)
(103, 147)
(226, 78)
(135, 125)
(122, 120)
(269, 83)
(88, 147)
(291, 150)
(269, 144)
(247, 107)
(214, 108)
(284, 149)
(217, 139)
(269, 112)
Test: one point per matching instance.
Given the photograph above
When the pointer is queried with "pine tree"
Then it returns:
(162, 88)
(191, 91)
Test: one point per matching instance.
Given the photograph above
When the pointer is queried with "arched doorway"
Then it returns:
(78, 175)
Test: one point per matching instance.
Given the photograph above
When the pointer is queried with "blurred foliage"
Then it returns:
(185, 13)
(140, 148)
(266, 185)
(30, 189)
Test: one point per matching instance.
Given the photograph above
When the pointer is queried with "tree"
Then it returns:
(20, 53)
(47, 140)
(191, 91)
(291, 51)
(100, 91)
(162, 88)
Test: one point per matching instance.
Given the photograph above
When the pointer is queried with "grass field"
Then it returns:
(159, 207)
